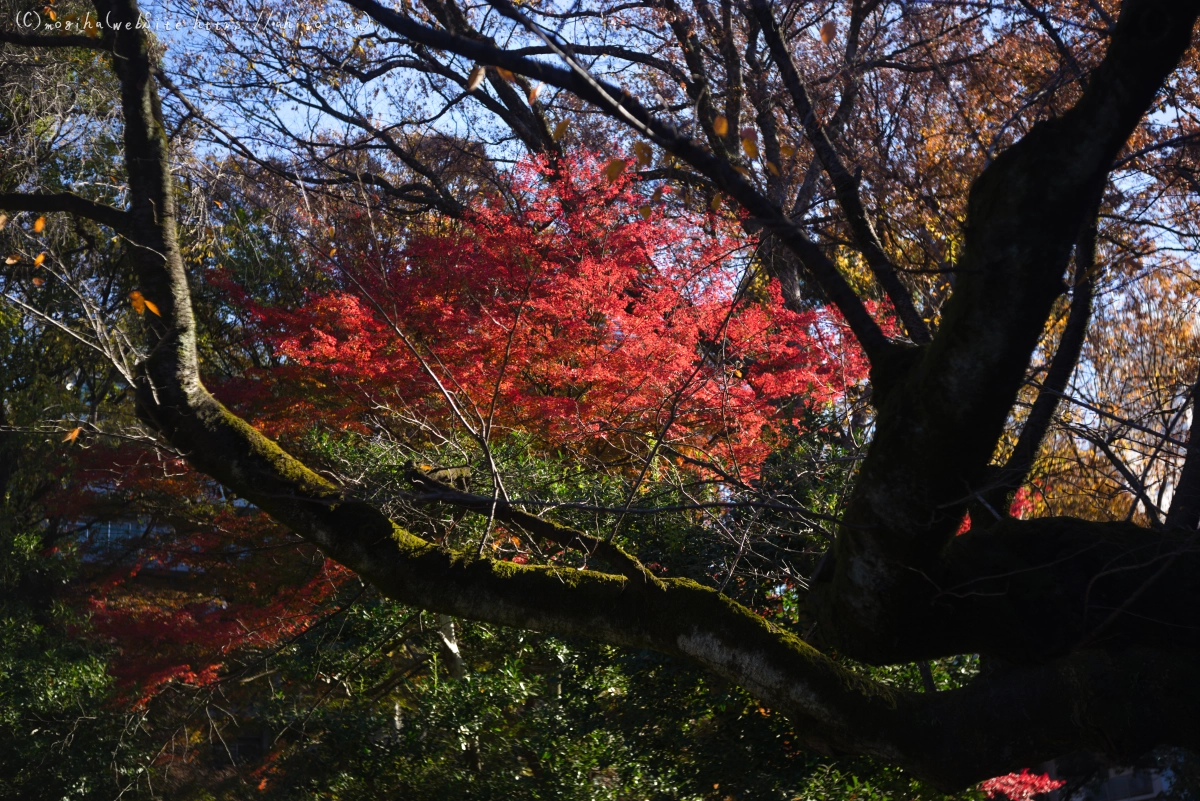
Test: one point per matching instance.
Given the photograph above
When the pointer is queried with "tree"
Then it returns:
(1084, 624)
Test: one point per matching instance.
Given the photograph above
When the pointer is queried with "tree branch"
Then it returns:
(51, 42)
(937, 430)
(505, 512)
(1185, 501)
(627, 110)
(65, 202)
(1012, 475)
(845, 186)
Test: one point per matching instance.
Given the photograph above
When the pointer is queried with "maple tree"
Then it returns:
(983, 199)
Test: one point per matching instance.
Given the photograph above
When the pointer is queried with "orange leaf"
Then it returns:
(3, 221)
(41, 257)
(39, 281)
(39, 224)
(787, 151)
(644, 153)
(720, 125)
(138, 301)
(828, 31)
(152, 307)
(535, 93)
(74, 435)
(475, 79)
(505, 74)
(750, 147)
(614, 169)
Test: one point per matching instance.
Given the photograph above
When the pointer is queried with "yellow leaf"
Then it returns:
(773, 168)
(150, 305)
(41, 257)
(614, 169)
(715, 205)
(720, 125)
(535, 93)
(560, 130)
(643, 152)
(138, 301)
(645, 211)
(745, 173)
(828, 31)
(12, 260)
(750, 147)
(39, 281)
(787, 151)
(475, 79)
(332, 252)
(39, 225)
(74, 435)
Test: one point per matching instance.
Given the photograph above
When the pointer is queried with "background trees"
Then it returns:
(427, 244)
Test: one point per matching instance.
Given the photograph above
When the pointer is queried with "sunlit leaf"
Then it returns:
(150, 305)
(475, 79)
(138, 301)
(720, 125)
(614, 169)
(37, 262)
(643, 152)
(72, 435)
(560, 130)
(39, 225)
(535, 93)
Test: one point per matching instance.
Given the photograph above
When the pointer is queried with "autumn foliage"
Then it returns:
(571, 308)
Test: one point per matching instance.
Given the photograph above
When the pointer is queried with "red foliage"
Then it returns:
(1021, 786)
(581, 319)
(576, 318)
